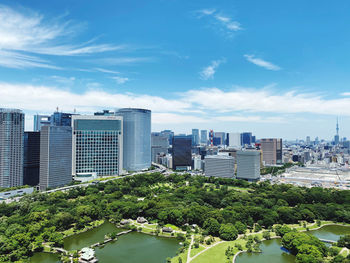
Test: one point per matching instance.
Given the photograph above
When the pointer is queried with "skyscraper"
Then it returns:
(41, 120)
(31, 160)
(182, 156)
(204, 137)
(97, 145)
(11, 147)
(234, 139)
(55, 156)
(219, 138)
(248, 164)
(272, 151)
(61, 119)
(246, 138)
(160, 144)
(169, 134)
(195, 137)
(136, 138)
(308, 140)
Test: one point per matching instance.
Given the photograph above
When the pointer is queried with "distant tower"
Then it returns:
(336, 137)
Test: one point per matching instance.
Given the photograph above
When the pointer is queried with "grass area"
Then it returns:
(72, 231)
(195, 251)
(217, 253)
(173, 227)
(183, 256)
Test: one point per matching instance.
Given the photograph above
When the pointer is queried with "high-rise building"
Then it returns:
(271, 151)
(11, 147)
(219, 166)
(55, 156)
(136, 138)
(195, 137)
(31, 160)
(308, 140)
(61, 119)
(169, 134)
(160, 145)
(234, 139)
(204, 137)
(97, 145)
(246, 138)
(182, 156)
(219, 138)
(248, 164)
(41, 120)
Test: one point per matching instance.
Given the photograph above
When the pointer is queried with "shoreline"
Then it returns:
(278, 237)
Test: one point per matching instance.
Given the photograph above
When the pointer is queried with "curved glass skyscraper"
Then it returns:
(136, 138)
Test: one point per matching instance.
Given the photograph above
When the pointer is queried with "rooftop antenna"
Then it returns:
(57, 109)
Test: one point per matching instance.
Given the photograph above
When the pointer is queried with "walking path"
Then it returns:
(189, 250)
(189, 259)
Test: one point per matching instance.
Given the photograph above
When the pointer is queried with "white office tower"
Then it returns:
(11, 147)
(137, 138)
(55, 156)
(197, 163)
(234, 139)
(97, 145)
(248, 165)
(219, 166)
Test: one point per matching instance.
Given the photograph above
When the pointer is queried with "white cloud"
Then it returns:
(209, 71)
(122, 60)
(262, 63)
(26, 31)
(224, 22)
(173, 118)
(120, 80)
(107, 71)
(345, 94)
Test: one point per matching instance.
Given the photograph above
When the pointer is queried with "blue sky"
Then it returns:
(276, 68)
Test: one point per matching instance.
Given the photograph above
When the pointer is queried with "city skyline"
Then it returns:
(291, 84)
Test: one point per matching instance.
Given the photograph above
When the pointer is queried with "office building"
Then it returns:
(246, 138)
(136, 138)
(197, 163)
(195, 137)
(271, 151)
(160, 145)
(11, 147)
(248, 164)
(97, 145)
(31, 160)
(61, 119)
(219, 138)
(219, 166)
(41, 120)
(182, 156)
(55, 156)
(234, 139)
(204, 137)
(308, 140)
(169, 134)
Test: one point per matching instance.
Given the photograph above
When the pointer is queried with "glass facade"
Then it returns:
(55, 156)
(11, 147)
(137, 138)
(182, 156)
(195, 137)
(31, 162)
(97, 144)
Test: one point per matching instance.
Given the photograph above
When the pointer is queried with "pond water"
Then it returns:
(129, 248)
(89, 237)
(272, 252)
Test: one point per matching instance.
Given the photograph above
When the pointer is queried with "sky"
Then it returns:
(275, 68)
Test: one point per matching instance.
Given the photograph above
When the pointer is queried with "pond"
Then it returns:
(272, 252)
(129, 248)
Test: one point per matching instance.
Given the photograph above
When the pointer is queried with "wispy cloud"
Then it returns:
(225, 23)
(25, 32)
(122, 60)
(262, 63)
(120, 80)
(209, 71)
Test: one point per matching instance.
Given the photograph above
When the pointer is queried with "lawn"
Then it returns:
(217, 253)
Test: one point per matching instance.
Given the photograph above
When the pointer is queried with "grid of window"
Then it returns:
(97, 151)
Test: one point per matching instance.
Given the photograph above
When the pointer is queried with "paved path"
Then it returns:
(189, 250)
(190, 259)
